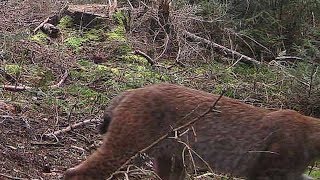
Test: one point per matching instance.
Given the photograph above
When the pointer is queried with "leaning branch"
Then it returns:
(188, 124)
(148, 58)
(221, 49)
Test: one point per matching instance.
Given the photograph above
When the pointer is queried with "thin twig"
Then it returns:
(70, 127)
(130, 4)
(62, 80)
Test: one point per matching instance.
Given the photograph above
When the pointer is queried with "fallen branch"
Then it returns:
(63, 79)
(210, 109)
(148, 58)
(40, 25)
(221, 49)
(71, 127)
(16, 88)
(289, 58)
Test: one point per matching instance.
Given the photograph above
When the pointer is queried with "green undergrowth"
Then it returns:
(13, 69)
(65, 22)
(88, 80)
(32, 75)
(315, 173)
(39, 37)
(76, 40)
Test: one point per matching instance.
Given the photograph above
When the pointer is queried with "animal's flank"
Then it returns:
(241, 140)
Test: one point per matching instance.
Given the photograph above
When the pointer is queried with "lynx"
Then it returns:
(235, 139)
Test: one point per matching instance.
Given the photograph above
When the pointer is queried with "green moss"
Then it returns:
(244, 69)
(138, 76)
(81, 91)
(65, 22)
(81, 95)
(85, 63)
(119, 49)
(250, 74)
(88, 71)
(47, 77)
(224, 75)
(130, 58)
(63, 104)
(94, 34)
(124, 48)
(115, 71)
(13, 69)
(117, 34)
(119, 17)
(39, 37)
(75, 42)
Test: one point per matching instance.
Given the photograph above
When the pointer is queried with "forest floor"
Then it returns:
(94, 66)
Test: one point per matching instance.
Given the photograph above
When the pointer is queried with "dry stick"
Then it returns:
(63, 79)
(130, 4)
(221, 49)
(148, 58)
(40, 25)
(285, 58)
(210, 109)
(69, 128)
(16, 88)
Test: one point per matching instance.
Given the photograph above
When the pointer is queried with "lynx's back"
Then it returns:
(235, 139)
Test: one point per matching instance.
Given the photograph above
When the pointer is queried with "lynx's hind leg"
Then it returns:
(169, 168)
